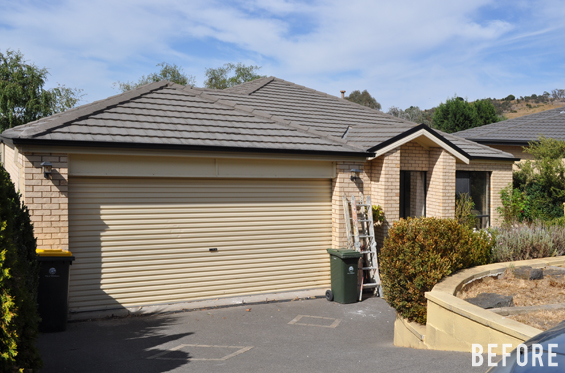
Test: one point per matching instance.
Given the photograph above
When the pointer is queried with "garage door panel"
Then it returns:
(145, 284)
(198, 259)
(100, 302)
(146, 241)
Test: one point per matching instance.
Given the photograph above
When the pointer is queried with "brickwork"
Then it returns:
(341, 185)
(441, 184)
(47, 200)
(13, 163)
(500, 177)
(413, 157)
(385, 183)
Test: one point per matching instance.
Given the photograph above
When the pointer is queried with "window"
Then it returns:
(412, 193)
(477, 185)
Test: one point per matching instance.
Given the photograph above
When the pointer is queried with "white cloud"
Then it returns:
(403, 52)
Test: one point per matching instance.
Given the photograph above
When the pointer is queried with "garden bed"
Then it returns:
(526, 295)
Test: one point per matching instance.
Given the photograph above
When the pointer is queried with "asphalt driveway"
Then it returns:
(297, 336)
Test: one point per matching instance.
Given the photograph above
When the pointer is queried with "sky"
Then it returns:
(405, 53)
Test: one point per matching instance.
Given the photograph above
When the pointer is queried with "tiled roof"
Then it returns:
(323, 113)
(521, 130)
(267, 113)
(167, 114)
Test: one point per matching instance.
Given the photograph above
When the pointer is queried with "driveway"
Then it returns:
(299, 336)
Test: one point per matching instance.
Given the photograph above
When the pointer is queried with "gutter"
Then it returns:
(127, 145)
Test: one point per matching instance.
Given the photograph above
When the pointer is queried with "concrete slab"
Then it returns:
(256, 338)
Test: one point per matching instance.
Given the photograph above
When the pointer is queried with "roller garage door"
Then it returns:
(149, 241)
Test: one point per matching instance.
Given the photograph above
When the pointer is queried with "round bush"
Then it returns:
(419, 252)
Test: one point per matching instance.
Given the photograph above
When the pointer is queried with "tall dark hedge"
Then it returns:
(18, 282)
(419, 252)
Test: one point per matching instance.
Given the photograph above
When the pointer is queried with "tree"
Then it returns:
(363, 98)
(170, 72)
(558, 94)
(539, 185)
(218, 78)
(510, 98)
(456, 114)
(413, 114)
(22, 96)
(486, 112)
(19, 278)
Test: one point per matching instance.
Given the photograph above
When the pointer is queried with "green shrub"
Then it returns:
(463, 207)
(419, 252)
(18, 283)
(529, 241)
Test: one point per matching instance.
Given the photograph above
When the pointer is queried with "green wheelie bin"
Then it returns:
(344, 265)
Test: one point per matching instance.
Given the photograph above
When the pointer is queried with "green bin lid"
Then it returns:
(344, 253)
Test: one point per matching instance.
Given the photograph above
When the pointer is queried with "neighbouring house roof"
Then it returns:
(521, 130)
(267, 114)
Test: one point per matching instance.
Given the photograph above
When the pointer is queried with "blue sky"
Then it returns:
(403, 52)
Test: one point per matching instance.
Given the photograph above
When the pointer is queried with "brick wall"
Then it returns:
(341, 185)
(441, 184)
(385, 183)
(13, 164)
(500, 177)
(47, 200)
(413, 157)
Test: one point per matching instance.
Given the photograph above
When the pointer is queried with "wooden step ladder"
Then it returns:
(361, 237)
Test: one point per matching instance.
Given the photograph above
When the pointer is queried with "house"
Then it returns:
(513, 135)
(170, 194)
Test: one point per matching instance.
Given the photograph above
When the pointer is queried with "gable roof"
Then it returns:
(521, 130)
(167, 115)
(267, 114)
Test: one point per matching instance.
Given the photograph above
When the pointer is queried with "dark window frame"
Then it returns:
(463, 184)
(405, 193)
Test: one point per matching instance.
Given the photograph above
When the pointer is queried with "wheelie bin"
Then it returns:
(344, 265)
(53, 292)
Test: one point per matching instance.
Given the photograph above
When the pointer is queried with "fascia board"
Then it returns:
(429, 136)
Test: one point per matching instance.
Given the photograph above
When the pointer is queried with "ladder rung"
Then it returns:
(367, 252)
(360, 204)
(365, 236)
(371, 285)
(367, 268)
(364, 220)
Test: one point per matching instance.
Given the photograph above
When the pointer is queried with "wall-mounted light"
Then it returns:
(355, 174)
(47, 168)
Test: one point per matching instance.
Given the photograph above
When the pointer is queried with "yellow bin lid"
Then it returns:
(52, 252)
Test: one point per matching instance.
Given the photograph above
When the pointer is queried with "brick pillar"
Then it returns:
(47, 200)
(441, 184)
(385, 189)
(341, 185)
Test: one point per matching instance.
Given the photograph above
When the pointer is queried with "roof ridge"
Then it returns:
(251, 83)
(347, 102)
(36, 129)
(274, 118)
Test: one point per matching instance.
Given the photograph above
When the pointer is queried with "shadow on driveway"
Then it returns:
(124, 345)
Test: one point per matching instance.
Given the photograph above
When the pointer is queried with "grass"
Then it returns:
(519, 110)
(541, 319)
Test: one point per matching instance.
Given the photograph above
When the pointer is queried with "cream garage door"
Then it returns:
(153, 241)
